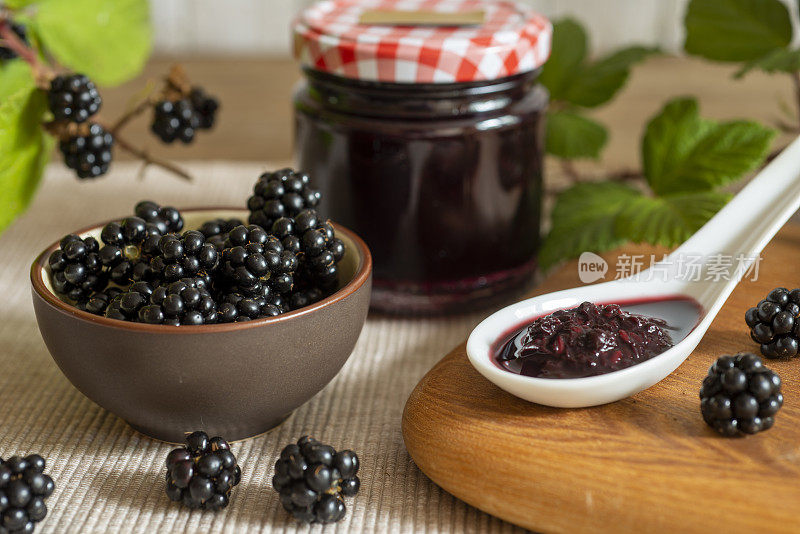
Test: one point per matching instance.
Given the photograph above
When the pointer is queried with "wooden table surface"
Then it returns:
(256, 117)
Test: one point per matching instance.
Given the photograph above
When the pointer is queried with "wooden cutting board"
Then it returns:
(644, 464)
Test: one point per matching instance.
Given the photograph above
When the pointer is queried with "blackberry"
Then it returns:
(317, 248)
(283, 193)
(97, 302)
(300, 298)
(89, 152)
(126, 305)
(775, 323)
(206, 107)
(185, 256)
(235, 307)
(75, 268)
(122, 254)
(186, 301)
(175, 120)
(740, 395)
(202, 473)
(254, 264)
(166, 218)
(73, 98)
(19, 30)
(23, 489)
(312, 480)
(216, 231)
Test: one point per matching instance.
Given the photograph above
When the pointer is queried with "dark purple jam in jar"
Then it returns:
(431, 156)
(585, 341)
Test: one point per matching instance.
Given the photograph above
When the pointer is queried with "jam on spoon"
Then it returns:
(584, 341)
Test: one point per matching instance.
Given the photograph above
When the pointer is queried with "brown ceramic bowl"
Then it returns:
(235, 380)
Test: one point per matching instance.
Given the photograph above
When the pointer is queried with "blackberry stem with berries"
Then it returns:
(43, 74)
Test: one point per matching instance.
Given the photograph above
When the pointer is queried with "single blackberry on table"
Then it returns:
(254, 264)
(775, 323)
(314, 242)
(175, 120)
(73, 98)
(202, 473)
(89, 152)
(283, 193)
(19, 30)
(186, 301)
(166, 218)
(75, 268)
(23, 489)
(740, 395)
(313, 478)
(206, 107)
(185, 256)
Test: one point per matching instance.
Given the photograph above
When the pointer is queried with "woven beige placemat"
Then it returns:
(111, 479)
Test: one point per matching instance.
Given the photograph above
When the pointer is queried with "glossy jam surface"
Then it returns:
(584, 341)
(443, 182)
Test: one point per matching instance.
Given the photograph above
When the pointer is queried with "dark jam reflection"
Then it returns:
(584, 341)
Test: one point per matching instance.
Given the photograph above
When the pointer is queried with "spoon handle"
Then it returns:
(752, 218)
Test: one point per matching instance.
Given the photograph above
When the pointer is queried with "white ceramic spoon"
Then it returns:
(741, 229)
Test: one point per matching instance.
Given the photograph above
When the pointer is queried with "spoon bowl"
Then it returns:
(726, 248)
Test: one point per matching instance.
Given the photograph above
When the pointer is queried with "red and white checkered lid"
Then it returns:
(512, 39)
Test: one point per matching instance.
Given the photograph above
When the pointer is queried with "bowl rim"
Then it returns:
(362, 275)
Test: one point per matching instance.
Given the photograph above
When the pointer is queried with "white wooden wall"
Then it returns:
(262, 26)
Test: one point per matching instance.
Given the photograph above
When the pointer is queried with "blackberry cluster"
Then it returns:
(313, 479)
(76, 268)
(73, 98)
(740, 395)
(315, 243)
(175, 120)
(19, 30)
(283, 193)
(23, 490)
(202, 473)
(205, 106)
(186, 301)
(89, 152)
(775, 323)
(254, 263)
(185, 256)
(147, 271)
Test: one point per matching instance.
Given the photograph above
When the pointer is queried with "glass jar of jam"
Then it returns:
(427, 140)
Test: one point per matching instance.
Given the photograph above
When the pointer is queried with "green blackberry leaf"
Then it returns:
(108, 40)
(781, 60)
(596, 83)
(567, 52)
(24, 147)
(668, 220)
(736, 30)
(682, 152)
(585, 219)
(570, 135)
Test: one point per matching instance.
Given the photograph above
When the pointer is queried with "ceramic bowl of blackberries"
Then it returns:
(222, 319)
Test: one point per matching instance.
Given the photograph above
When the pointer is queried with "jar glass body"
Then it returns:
(443, 182)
